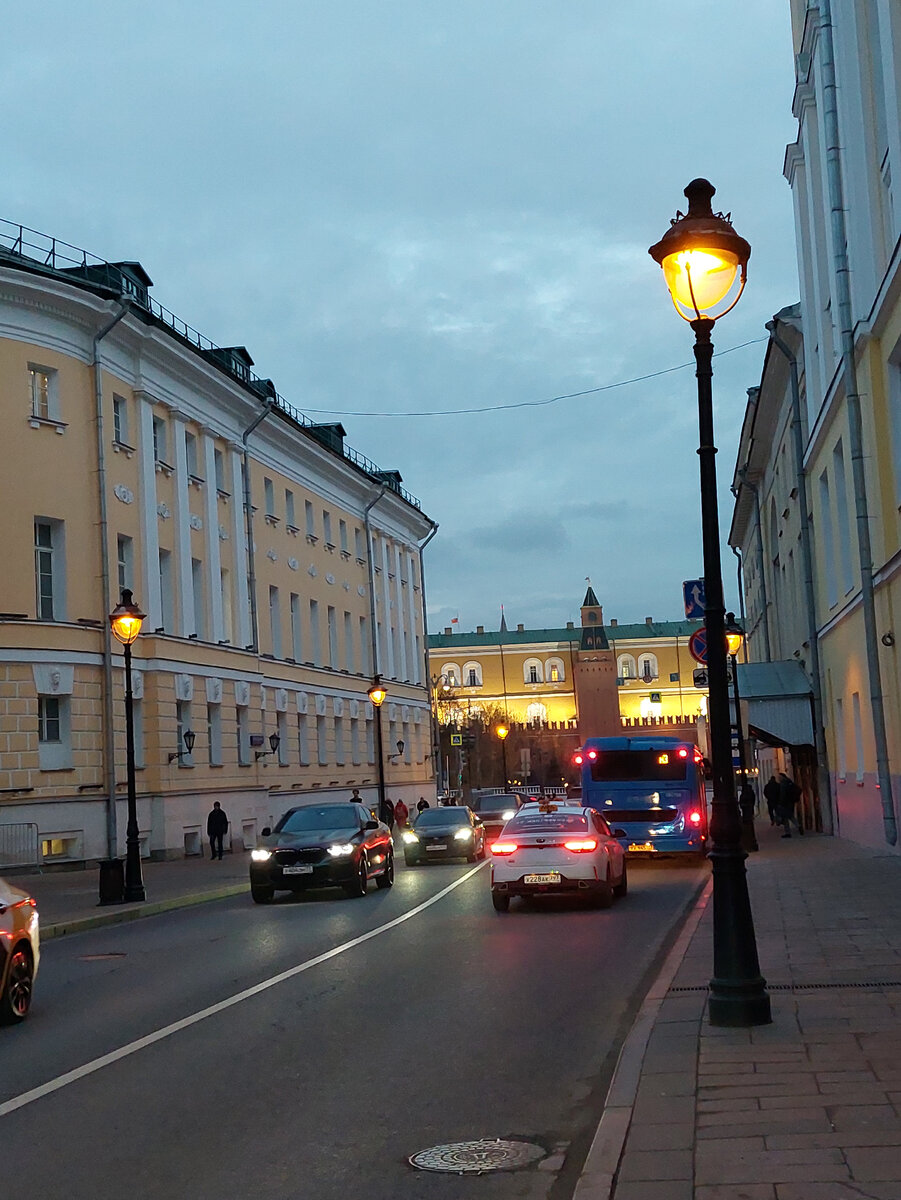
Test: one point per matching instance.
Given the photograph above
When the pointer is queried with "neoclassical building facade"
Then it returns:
(279, 571)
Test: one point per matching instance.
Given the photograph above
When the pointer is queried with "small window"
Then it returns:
(327, 526)
(49, 569)
(553, 671)
(159, 440)
(48, 719)
(358, 543)
(269, 497)
(124, 561)
(472, 674)
(289, 509)
(42, 384)
(219, 468)
(191, 455)
(342, 536)
(647, 667)
(532, 671)
(120, 420)
(625, 666)
(308, 515)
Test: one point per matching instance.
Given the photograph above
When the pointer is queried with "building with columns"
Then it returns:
(279, 569)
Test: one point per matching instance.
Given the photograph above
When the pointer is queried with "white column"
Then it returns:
(400, 616)
(416, 666)
(185, 580)
(211, 523)
(387, 617)
(149, 598)
(240, 594)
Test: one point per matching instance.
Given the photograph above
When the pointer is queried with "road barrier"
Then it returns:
(19, 845)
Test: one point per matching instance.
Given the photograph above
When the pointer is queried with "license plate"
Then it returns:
(643, 847)
(550, 877)
(429, 848)
(298, 869)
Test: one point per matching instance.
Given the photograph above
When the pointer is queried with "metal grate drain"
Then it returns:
(474, 1158)
(803, 987)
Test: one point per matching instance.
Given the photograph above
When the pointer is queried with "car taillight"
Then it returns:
(683, 753)
(582, 845)
(592, 754)
(577, 759)
(504, 847)
(695, 818)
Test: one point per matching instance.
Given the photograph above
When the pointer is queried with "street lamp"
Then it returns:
(125, 621)
(377, 695)
(502, 732)
(735, 637)
(436, 727)
(189, 737)
(274, 741)
(701, 256)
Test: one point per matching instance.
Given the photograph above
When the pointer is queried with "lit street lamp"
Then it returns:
(377, 695)
(735, 637)
(126, 620)
(502, 731)
(445, 686)
(701, 256)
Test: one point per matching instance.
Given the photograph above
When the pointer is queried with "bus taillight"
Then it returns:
(592, 754)
(578, 760)
(683, 753)
(695, 818)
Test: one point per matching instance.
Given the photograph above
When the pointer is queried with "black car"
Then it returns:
(322, 845)
(442, 833)
(495, 810)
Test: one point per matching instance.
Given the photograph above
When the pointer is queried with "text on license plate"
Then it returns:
(550, 877)
(298, 869)
(435, 848)
(644, 847)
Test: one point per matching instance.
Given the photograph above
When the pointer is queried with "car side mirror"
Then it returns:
(620, 833)
(371, 825)
(265, 831)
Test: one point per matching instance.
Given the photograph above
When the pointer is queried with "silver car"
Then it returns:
(19, 952)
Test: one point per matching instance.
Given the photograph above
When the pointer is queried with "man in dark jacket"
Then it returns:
(386, 813)
(216, 827)
(789, 795)
(771, 795)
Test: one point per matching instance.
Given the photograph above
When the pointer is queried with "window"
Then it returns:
(315, 634)
(284, 750)
(124, 561)
(182, 725)
(199, 606)
(472, 674)
(843, 522)
(553, 670)
(49, 569)
(54, 739)
(296, 641)
(647, 667)
(269, 497)
(43, 397)
(365, 664)
(536, 713)
(342, 536)
(858, 736)
(358, 543)
(339, 741)
(625, 667)
(531, 671)
(828, 540)
(120, 420)
(321, 746)
(308, 516)
(214, 733)
(225, 589)
(137, 715)
(289, 509)
(159, 440)
(840, 752)
(451, 673)
(355, 741)
(242, 721)
(303, 748)
(370, 741)
(191, 455)
(275, 622)
(332, 617)
(48, 719)
(327, 526)
(167, 592)
(348, 642)
(219, 470)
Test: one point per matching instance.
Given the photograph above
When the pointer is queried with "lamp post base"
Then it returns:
(134, 893)
(739, 1007)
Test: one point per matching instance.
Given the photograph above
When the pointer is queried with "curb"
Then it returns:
(118, 916)
(597, 1179)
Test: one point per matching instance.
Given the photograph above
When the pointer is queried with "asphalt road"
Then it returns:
(321, 1041)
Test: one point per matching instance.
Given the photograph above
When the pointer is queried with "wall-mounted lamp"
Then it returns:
(189, 737)
(400, 750)
(274, 740)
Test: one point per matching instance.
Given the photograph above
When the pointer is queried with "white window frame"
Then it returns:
(469, 669)
(43, 387)
(53, 555)
(549, 666)
(625, 667)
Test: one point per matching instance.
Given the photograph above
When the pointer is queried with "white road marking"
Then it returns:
(106, 1060)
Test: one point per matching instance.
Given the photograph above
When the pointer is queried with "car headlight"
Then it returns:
(508, 815)
(410, 837)
(260, 855)
(341, 849)
(462, 835)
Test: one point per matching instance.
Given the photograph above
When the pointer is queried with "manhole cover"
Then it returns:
(472, 1158)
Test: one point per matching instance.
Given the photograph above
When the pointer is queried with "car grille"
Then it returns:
(646, 816)
(285, 858)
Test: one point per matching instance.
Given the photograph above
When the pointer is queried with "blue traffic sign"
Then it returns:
(693, 595)
(697, 645)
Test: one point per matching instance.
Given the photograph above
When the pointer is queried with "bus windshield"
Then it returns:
(625, 765)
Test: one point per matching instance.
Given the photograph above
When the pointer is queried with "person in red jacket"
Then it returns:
(401, 812)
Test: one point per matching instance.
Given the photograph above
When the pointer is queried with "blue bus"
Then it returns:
(651, 788)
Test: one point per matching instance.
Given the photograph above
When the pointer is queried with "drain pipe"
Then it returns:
(372, 619)
(109, 737)
(248, 526)
(813, 640)
(433, 708)
(740, 571)
(852, 398)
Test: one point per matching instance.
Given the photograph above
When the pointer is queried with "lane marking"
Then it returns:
(106, 1060)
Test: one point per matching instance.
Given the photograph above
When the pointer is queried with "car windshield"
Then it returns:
(539, 822)
(443, 816)
(334, 816)
(494, 803)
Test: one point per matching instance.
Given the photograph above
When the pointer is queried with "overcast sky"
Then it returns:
(410, 208)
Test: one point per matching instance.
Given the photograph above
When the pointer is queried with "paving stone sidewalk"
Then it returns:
(808, 1108)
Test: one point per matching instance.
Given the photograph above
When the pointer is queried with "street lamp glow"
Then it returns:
(734, 640)
(502, 731)
(126, 619)
(699, 279)
(377, 694)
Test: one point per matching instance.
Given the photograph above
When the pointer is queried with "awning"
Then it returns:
(777, 697)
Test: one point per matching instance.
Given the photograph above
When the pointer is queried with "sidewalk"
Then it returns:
(807, 1108)
(67, 900)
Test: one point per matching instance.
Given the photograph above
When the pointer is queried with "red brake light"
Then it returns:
(582, 845)
(683, 753)
(695, 818)
(504, 847)
(578, 760)
(592, 754)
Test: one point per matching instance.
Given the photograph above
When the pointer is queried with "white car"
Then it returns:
(552, 848)
(19, 952)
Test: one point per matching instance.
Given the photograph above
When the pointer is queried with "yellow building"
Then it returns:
(279, 571)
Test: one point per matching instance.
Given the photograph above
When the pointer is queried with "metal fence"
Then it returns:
(20, 845)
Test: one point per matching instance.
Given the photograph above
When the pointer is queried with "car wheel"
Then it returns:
(501, 901)
(262, 895)
(471, 856)
(622, 887)
(361, 879)
(386, 879)
(603, 897)
(16, 999)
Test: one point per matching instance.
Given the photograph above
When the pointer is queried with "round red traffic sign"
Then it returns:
(697, 645)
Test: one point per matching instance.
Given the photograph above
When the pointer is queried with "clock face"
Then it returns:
(592, 616)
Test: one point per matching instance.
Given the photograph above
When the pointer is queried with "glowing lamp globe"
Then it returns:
(377, 695)
(126, 619)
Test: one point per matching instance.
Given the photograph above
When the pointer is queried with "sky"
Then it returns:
(429, 220)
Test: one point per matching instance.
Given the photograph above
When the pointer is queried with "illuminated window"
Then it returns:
(625, 666)
(43, 393)
(553, 670)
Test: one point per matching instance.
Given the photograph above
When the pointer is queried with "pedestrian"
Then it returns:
(355, 797)
(789, 795)
(386, 812)
(401, 812)
(216, 827)
(422, 805)
(771, 795)
(747, 802)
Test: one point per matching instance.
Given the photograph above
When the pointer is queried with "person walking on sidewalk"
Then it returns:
(771, 795)
(386, 813)
(216, 827)
(401, 812)
(789, 795)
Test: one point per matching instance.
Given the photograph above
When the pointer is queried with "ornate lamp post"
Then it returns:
(438, 681)
(502, 731)
(377, 695)
(126, 620)
(701, 256)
